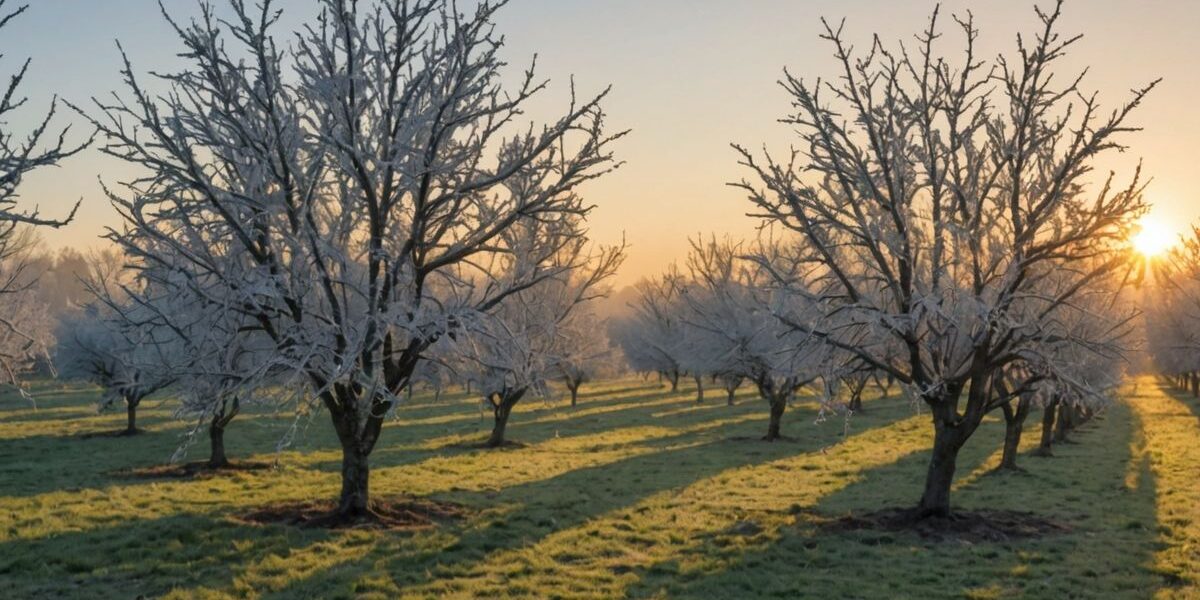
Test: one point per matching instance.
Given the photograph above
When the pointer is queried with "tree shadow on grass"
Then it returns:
(1097, 485)
(520, 516)
(138, 558)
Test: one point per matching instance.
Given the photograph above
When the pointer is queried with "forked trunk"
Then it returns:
(358, 438)
(1014, 422)
(227, 409)
(502, 405)
(1045, 448)
(699, 388)
(950, 432)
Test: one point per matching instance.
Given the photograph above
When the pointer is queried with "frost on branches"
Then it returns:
(931, 197)
(344, 192)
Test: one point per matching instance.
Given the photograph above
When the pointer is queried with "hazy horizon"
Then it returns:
(688, 78)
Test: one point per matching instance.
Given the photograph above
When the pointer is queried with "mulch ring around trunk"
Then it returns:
(192, 470)
(973, 526)
(389, 514)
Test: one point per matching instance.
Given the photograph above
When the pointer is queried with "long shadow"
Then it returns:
(1098, 486)
(1184, 397)
(520, 516)
(628, 412)
(138, 558)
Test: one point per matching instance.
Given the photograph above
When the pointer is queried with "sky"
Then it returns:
(689, 77)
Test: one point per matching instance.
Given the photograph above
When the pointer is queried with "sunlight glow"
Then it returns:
(1153, 238)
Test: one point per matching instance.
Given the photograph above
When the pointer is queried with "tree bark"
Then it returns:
(1045, 448)
(699, 388)
(131, 405)
(950, 432)
(729, 396)
(574, 395)
(673, 377)
(1063, 426)
(1014, 422)
(216, 437)
(501, 410)
(778, 404)
(935, 500)
(356, 475)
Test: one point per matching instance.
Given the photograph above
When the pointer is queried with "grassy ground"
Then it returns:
(637, 492)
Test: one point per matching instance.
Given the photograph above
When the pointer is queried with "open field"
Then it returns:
(637, 492)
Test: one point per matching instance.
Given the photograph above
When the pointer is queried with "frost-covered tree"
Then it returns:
(585, 353)
(730, 306)
(652, 336)
(515, 349)
(1172, 313)
(341, 187)
(95, 345)
(25, 326)
(930, 195)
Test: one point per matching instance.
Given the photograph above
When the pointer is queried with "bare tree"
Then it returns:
(652, 336)
(337, 190)
(728, 308)
(25, 331)
(932, 197)
(516, 349)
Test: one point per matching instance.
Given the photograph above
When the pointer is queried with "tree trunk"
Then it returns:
(501, 411)
(729, 393)
(216, 438)
(356, 474)
(574, 395)
(1045, 448)
(131, 405)
(1195, 384)
(935, 500)
(699, 388)
(1063, 425)
(778, 405)
(674, 379)
(1014, 422)
(950, 431)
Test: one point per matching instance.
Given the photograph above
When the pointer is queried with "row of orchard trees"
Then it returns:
(932, 224)
(334, 216)
(1173, 314)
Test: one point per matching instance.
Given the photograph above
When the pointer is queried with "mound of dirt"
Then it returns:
(964, 525)
(404, 514)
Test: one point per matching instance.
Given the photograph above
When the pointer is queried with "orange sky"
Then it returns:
(689, 77)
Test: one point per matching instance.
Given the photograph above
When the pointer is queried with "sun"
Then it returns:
(1152, 238)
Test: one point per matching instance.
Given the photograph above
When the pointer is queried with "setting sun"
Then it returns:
(1152, 238)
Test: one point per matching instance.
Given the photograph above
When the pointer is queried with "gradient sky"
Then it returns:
(689, 77)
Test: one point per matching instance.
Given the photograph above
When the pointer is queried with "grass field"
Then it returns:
(635, 493)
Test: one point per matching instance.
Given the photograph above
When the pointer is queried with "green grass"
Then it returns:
(637, 492)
